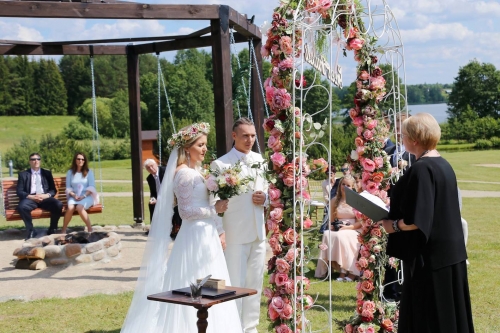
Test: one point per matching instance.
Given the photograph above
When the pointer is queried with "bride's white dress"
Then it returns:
(196, 253)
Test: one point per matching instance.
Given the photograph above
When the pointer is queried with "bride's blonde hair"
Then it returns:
(182, 157)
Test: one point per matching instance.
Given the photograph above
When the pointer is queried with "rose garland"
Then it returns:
(289, 174)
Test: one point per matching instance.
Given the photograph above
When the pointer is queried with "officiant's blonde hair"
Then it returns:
(182, 158)
(422, 128)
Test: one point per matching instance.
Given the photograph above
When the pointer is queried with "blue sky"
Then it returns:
(439, 36)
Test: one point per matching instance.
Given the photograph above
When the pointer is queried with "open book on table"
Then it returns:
(368, 204)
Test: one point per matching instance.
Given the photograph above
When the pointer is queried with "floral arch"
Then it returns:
(318, 34)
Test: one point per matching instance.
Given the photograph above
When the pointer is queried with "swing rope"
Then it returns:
(95, 126)
(159, 105)
(1, 188)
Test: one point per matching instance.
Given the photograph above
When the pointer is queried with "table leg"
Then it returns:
(202, 322)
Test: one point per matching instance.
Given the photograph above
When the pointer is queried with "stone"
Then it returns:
(96, 227)
(52, 251)
(13, 232)
(93, 247)
(33, 242)
(105, 242)
(46, 240)
(34, 265)
(124, 226)
(83, 258)
(99, 255)
(113, 251)
(109, 227)
(29, 253)
(119, 246)
(72, 250)
(58, 261)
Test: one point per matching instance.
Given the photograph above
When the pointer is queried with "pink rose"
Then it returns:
(368, 135)
(358, 121)
(354, 44)
(274, 144)
(359, 131)
(387, 325)
(348, 328)
(371, 124)
(369, 306)
(302, 281)
(365, 253)
(287, 312)
(363, 262)
(304, 195)
(268, 293)
(353, 113)
(376, 232)
(270, 94)
(286, 45)
(264, 51)
(272, 278)
(364, 75)
(272, 225)
(291, 255)
(289, 287)
(283, 328)
(277, 303)
(377, 83)
(274, 193)
(307, 223)
(367, 286)
(379, 161)
(277, 203)
(290, 236)
(273, 314)
(276, 214)
(383, 195)
(282, 266)
(285, 64)
(372, 187)
(269, 124)
(211, 184)
(359, 142)
(367, 274)
(289, 180)
(281, 279)
(368, 165)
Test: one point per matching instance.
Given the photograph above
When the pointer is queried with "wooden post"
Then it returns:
(256, 98)
(223, 90)
(135, 134)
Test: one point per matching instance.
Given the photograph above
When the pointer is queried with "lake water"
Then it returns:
(437, 110)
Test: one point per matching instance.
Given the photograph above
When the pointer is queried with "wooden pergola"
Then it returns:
(217, 36)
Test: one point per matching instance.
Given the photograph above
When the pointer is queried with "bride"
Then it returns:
(196, 253)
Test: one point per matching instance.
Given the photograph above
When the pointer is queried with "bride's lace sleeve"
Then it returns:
(184, 183)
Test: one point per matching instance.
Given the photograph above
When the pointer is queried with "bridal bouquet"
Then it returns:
(227, 183)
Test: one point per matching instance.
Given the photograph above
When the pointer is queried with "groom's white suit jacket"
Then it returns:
(243, 221)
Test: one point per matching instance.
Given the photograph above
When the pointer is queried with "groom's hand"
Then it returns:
(222, 238)
(258, 198)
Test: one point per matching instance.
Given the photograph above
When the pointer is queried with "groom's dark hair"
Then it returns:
(242, 121)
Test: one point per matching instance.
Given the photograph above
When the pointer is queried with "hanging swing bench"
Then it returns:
(10, 200)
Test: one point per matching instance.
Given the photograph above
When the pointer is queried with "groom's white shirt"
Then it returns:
(243, 222)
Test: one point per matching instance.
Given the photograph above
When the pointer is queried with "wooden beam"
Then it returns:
(241, 24)
(256, 98)
(134, 97)
(61, 50)
(174, 45)
(107, 10)
(222, 80)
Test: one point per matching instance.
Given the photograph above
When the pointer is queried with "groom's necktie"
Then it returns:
(38, 183)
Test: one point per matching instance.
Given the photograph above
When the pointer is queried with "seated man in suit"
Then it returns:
(398, 155)
(154, 181)
(36, 189)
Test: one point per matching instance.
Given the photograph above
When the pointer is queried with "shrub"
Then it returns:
(78, 131)
(495, 141)
(483, 144)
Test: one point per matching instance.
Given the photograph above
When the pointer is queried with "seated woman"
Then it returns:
(340, 248)
(80, 191)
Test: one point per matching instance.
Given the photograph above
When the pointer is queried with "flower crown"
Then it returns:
(180, 138)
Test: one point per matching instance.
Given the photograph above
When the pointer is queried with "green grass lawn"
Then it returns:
(12, 129)
(105, 313)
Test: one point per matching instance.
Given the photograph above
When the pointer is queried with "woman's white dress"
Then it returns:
(196, 253)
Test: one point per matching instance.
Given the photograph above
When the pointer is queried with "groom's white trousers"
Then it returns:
(245, 263)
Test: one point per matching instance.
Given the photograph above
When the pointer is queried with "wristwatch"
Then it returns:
(395, 226)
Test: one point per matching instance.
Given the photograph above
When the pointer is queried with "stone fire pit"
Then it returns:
(74, 248)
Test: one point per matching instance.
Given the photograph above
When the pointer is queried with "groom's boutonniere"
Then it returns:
(227, 183)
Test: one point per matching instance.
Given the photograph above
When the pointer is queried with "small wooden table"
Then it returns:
(204, 303)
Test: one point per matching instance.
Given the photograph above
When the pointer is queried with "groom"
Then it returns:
(244, 234)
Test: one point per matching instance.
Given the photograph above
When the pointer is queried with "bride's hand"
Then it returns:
(221, 206)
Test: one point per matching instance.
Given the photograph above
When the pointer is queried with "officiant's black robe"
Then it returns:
(435, 296)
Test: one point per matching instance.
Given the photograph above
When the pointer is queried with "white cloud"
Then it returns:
(16, 31)
(433, 32)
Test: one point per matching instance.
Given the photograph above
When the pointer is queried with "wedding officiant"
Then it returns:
(425, 232)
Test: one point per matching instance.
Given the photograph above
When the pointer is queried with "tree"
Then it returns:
(317, 96)
(5, 96)
(21, 85)
(50, 97)
(478, 86)
(76, 74)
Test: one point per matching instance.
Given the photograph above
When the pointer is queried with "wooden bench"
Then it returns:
(11, 200)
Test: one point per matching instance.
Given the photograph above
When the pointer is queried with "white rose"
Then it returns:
(354, 155)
